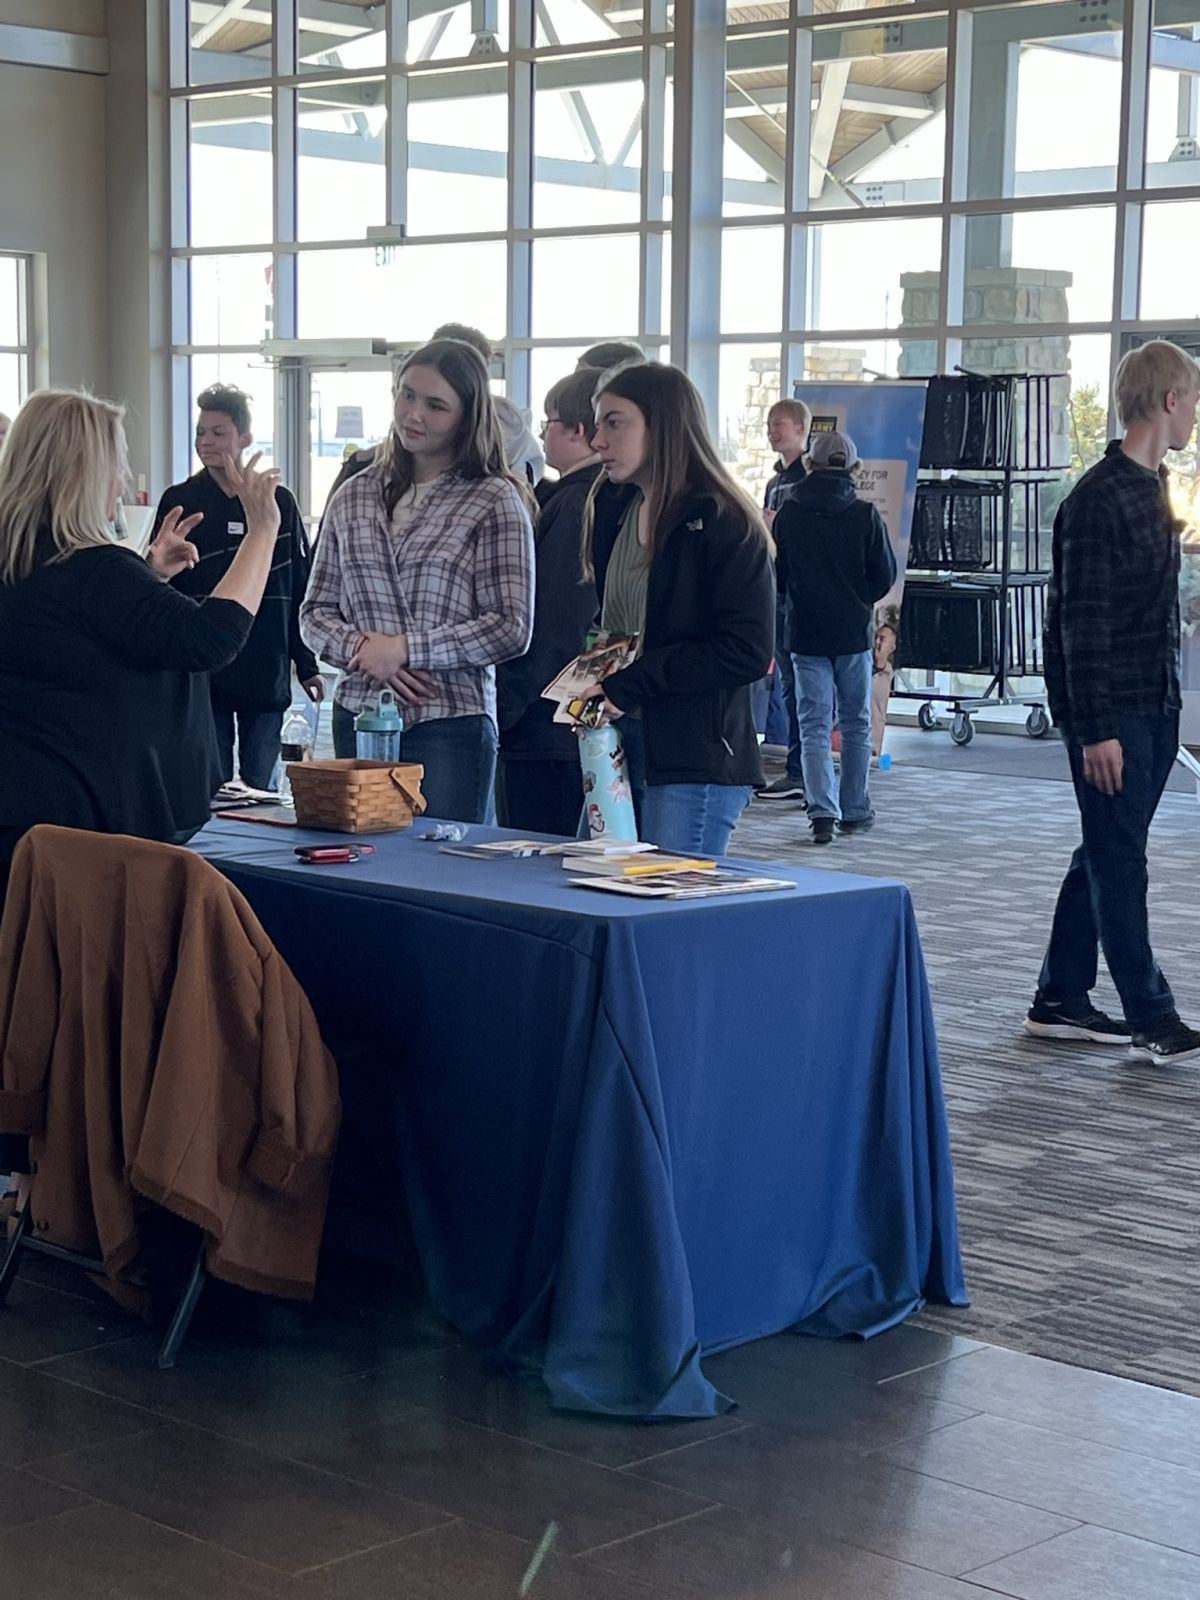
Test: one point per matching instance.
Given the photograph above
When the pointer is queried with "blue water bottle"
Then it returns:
(377, 730)
(607, 795)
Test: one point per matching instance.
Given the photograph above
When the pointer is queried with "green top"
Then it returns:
(628, 576)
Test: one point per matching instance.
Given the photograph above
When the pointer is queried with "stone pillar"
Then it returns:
(755, 458)
(1020, 298)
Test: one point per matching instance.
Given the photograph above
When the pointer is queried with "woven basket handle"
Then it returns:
(416, 800)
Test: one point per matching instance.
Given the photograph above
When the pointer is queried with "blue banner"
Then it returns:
(886, 421)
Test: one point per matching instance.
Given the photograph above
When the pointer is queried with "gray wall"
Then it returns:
(53, 201)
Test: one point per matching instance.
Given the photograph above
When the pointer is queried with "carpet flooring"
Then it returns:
(1078, 1171)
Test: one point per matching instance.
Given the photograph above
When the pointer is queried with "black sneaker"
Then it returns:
(781, 789)
(1045, 1021)
(1171, 1041)
(822, 830)
(859, 825)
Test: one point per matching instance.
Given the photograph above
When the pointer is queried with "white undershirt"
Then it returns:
(408, 506)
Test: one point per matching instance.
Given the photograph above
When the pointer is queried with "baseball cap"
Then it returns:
(832, 450)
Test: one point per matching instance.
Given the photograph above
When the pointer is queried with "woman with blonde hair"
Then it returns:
(423, 579)
(104, 709)
(681, 559)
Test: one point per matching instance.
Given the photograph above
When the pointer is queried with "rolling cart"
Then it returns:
(974, 595)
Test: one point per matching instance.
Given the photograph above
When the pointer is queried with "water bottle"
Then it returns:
(377, 730)
(608, 797)
(295, 744)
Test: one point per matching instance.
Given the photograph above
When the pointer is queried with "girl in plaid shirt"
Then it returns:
(423, 579)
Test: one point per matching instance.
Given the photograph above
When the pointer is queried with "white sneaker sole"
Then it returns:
(1072, 1030)
(1139, 1052)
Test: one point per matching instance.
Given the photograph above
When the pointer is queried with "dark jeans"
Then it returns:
(539, 796)
(459, 757)
(787, 685)
(257, 740)
(1102, 902)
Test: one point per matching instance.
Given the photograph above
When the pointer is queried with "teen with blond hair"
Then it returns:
(1112, 679)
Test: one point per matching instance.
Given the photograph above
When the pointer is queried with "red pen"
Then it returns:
(317, 855)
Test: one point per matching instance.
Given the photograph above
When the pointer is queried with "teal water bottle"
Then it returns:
(377, 730)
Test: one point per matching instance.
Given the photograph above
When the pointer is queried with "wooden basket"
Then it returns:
(356, 796)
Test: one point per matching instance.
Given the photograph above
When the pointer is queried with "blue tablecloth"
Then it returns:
(627, 1133)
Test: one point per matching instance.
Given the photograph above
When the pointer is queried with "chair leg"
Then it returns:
(8, 1268)
(181, 1321)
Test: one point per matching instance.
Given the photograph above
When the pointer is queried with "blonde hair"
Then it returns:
(1147, 375)
(796, 410)
(63, 454)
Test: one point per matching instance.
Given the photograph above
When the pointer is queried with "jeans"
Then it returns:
(1102, 902)
(459, 757)
(787, 687)
(818, 679)
(257, 742)
(539, 796)
(690, 818)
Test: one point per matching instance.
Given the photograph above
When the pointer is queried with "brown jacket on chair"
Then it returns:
(154, 1043)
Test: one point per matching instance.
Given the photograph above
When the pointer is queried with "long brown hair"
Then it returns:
(478, 451)
(682, 463)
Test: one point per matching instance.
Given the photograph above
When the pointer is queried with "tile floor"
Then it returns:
(359, 1450)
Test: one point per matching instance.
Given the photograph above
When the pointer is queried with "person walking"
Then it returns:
(834, 562)
(1112, 639)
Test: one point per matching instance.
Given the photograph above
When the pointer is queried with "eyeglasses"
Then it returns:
(548, 423)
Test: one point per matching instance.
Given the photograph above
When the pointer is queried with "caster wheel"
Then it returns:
(962, 729)
(925, 718)
(1037, 723)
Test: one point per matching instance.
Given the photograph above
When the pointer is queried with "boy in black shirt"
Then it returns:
(255, 689)
(834, 562)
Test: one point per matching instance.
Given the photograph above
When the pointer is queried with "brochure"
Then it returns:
(637, 866)
(591, 667)
(684, 885)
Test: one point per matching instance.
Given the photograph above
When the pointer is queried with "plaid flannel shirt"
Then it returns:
(458, 583)
(1112, 607)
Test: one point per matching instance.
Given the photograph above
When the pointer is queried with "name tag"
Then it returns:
(235, 529)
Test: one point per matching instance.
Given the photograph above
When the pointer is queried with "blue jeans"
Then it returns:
(787, 688)
(459, 757)
(1102, 902)
(690, 818)
(818, 680)
(257, 742)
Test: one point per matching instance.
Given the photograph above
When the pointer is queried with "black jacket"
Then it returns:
(710, 634)
(563, 610)
(783, 485)
(1112, 607)
(834, 562)
(260, 679)
(105, 720)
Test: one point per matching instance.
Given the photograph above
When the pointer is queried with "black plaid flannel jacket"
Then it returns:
(1112, 607)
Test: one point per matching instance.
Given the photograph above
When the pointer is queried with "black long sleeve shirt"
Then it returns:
(104, 708)
(260, 678)
(1112, 607)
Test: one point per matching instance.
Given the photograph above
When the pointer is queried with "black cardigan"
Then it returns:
(563, 610)
(105, 720)
(710, 634)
